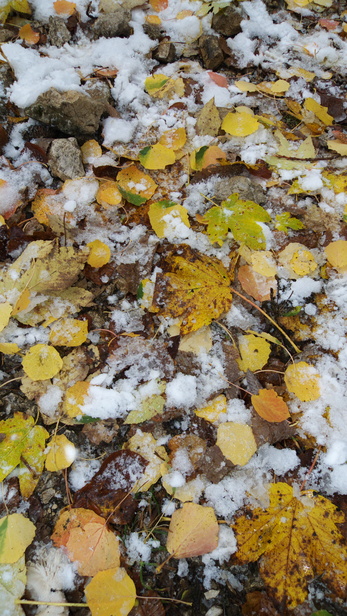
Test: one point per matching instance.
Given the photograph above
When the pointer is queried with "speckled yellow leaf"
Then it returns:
(156, 156)
(336, 253)
(174, 138)
(108, 193)
(303, 380)
(16, 534)
(297, 539)
(297, 260)
(68, 332)
(61, 453)
(5, 313)
(99, 255)
(42, 362)
(213, 411)
(159, 210)
(111, 593)
(75, 398)
(321, 112)
(236, 441)
(9, 348)
(240, 124)
(193, 531)
(208, 120)
(254, 352)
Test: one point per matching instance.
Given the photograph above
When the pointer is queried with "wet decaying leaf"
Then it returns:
(109, 491)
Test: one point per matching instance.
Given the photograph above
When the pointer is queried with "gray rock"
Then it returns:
(227, 22)
(58, 34)
(72, 112)
(65, 159)
(246, 189)
(153, 31)
(211, 53)
(165, 52)
(112, 25)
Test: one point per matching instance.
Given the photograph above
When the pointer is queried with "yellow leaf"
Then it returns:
(254, 351)
(174, 138)
(208, 120)
(111, 593)
(193, 531)
(135, 186)
(108, 193)
(297, 260)
(29, 35)
(336, 253)
(305, 150)
(99, 255)
(65, 8)
(197, 342)
(9, 348)
(155, 83)
(75, 398)
(240, 124)
(303, 380)
(337, 146)
(5, 313)
(297, 539)
(90, 150)
(68, 332)
(160, 210)
(214, 410)
(321, 112)
(156, 156)
(22, 6)
(246, 86)
(22, 302)
(205, 156)
(196, 289)
(42, 362)
(153, 19)
(61, 454)
(146, 445)
(236, 442)
(16, 534)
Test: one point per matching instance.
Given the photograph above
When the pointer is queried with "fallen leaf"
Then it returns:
(99, 255)
(240, 124)
(254, 352)
(270, 406)
(136, 187)
(22, 443)
(297, 538)
(108, 194)
(9, 348)
(75, 397)
(111, 593)
(220, 80)
(337, 146)
(285, 221)
(197, 342)
(236, 442)
(146, 445)
(208, 120)
(297, 260)
(196, 289)
(87, 541)
(5, 313)
(174, 138)
(17, 5)
(156, 156)
(159, 210)
(16, 534)
(214, 410)
(42, 362)
(65, 8)
(68, 332)
(61, 454)
(90, 150)
(29, 35)
(256, 285)
(193, 531)
(303, 380)
(336, 253)
(159, 5)
(321, 112)
(206, 156)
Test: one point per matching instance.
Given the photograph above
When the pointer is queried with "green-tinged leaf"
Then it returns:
(285, 221)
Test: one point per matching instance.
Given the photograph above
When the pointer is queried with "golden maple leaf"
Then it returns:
(297, 539)
(196, 289)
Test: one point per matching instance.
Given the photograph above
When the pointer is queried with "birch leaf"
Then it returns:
(156, 156)
(240, 124)
(16, 534)
(42, 362)
(336, 253)
(160, 209)
(236, 441)
(193, 531)
(99, 255)
(254, 352)
(135, 186)
(61, 453)
(111, 593)
(303, 380)
(270, 406)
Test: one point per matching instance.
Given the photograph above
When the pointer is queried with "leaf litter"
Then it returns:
(172, 306)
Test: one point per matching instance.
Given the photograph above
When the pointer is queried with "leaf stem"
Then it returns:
(61, 604)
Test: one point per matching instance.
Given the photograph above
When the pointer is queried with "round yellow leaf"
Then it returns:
(69, 332)
(135, 186)
(240, 124)
(303, 380)
(174, 138)
(236, 441)
(17, 533)
(5, 313)
(108, 193)
(298, 260)
(75, 397)
(254, 351)
(213, 411)
(156, 156)
(99, 255)
(61, 454)
(9, 348)
(159, 210)
(42, 362)
(336, 253)
(111, 593)
(90, 150)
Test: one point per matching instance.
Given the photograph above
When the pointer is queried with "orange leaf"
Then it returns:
(159, 5)
(65, 8)
(270, 406)
(87, 540)
(220, 80)
(193, 531)
(29, 35)
(255, 284)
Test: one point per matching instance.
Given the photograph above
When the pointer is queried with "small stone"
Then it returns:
(73, 112)
(243, 186)
(6, 34)
(153, 31)
(58, 34)
(227, 22)
(211, 53)
(165, 52)
(65, 159)
(113, 25)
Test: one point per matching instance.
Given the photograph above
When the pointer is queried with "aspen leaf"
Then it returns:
(22, 302)
(12, 586)
(297, 539)
(240, 124)
(208, 120)
(135, 186)
(155, 83)
(9, 348)
(145, 444)
(17, 5)
(111, 593)
(16, 534)
(160, 209)
(64, 8)
(214, 410)
(337, 146)
(29, 35)
(305, 149)
(193, 531)
(99, 255)
(270, 406)
(336, 253)
(159, 5)
(87, 541)
(68, 332)
(196, 289)
(197, 342)
(303, 380)
(153, 19)
(246, 86)
(297, 260)
(42, 362)
(156, 156)
(220, 80)
(206, 156)
(5, 313)
(321, 112)
(75, 398)
(256, 285)
(254, 352)
(236, 441)
(174, 138)
(90, 150)
(61, 454)
(108, 193)
(23, 444)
